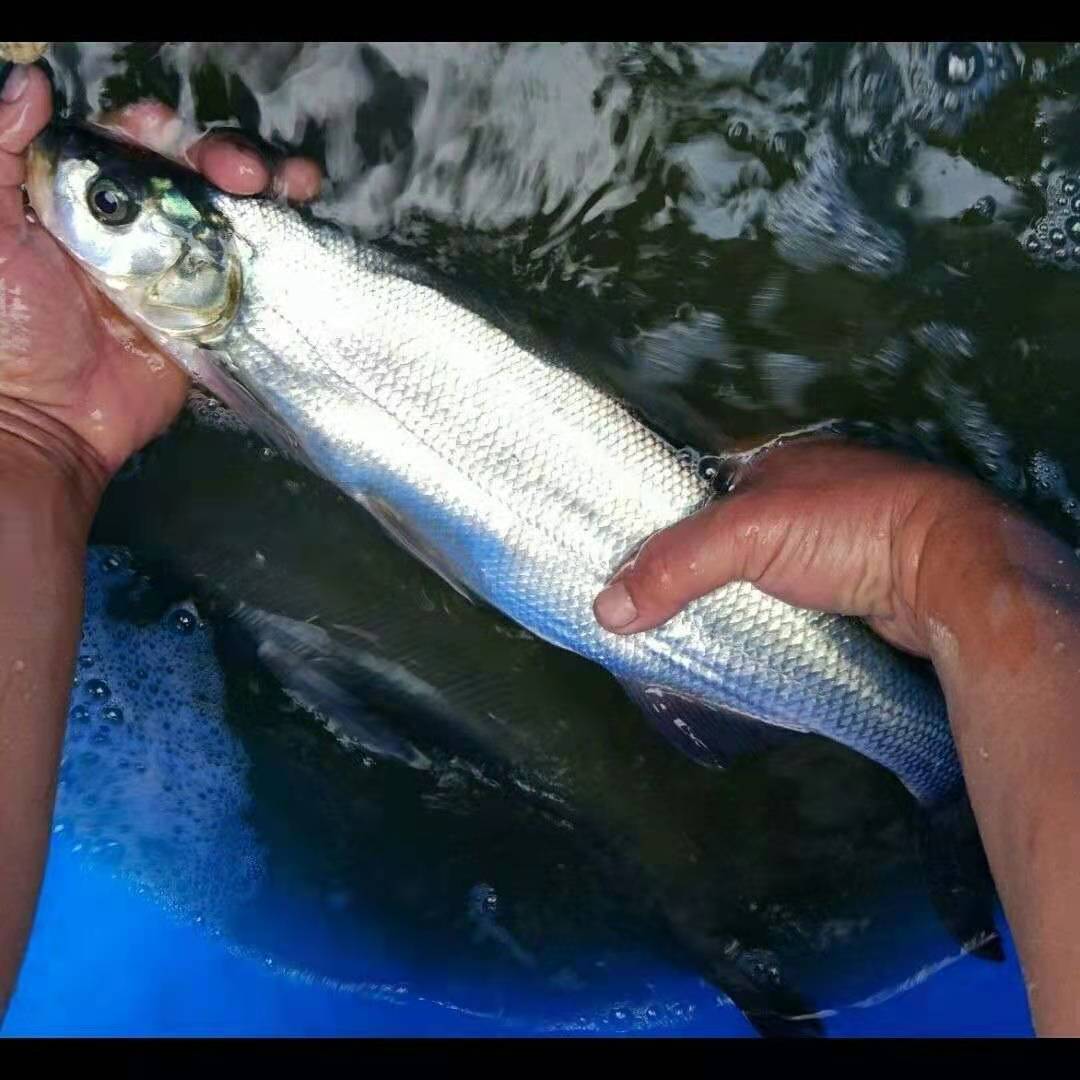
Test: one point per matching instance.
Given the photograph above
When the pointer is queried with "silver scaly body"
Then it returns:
(534, 486)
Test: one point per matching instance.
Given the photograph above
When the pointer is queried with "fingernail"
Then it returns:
(248, 163)
(614, 608)
(15, 84)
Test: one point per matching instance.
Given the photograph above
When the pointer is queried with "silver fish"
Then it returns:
(481, 451)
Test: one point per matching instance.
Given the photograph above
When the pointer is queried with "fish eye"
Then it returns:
(110, 202)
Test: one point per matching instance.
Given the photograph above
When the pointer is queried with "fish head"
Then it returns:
(144, 229)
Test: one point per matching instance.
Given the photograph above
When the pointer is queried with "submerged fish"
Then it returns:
(478, 449)
(201, 784)
(789, 881)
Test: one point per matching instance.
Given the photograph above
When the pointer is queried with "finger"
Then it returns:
(230, 164)
(235, 167)
(675, 567)
(298, 179)
(25, 107)
(153, 125)
(223, 158)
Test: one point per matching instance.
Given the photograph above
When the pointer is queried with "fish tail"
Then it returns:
(958, 877)
(775, 1009)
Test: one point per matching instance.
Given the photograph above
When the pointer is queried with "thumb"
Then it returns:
(25, 105)
(678, 565)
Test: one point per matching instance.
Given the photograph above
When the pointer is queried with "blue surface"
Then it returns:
(106, 961)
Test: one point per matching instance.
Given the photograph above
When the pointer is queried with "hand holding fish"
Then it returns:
(828, 526)
(942, 568)
(80, 390)
(66, 354)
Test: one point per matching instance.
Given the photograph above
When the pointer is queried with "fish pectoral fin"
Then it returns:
(402, 532)
(246, 404)
(302, 657)
(710, 735)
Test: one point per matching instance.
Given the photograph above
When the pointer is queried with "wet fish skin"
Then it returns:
(485, 454)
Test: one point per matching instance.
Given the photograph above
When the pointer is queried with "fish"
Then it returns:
(480, 450)
(751, 874)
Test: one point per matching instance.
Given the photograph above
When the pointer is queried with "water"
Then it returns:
(742, 239)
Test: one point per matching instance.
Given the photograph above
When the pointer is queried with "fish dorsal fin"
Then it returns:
(710, 735)
(403, 532)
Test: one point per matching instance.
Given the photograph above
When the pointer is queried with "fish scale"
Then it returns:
(534, 486)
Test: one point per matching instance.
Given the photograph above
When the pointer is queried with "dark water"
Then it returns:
(743, 239)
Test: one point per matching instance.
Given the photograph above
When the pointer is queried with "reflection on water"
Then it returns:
(742, 239)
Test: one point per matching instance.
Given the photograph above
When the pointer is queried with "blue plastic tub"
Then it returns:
(106, 961)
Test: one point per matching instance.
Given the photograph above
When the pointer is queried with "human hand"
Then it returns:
(77, 379)
(831, 526)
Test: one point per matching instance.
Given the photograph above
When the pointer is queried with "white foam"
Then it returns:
(157, 790)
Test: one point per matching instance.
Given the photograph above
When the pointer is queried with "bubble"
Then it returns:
(1075, 205)
(947, 83)
(907, 195)
(1072, 227)
(1057, 237)
(738, 134)
(183, 621)
(129, 792)
(98, 689)
(1032, 244)
(86, 660)
(1070, 187)
(959, 64)
(483, 901)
